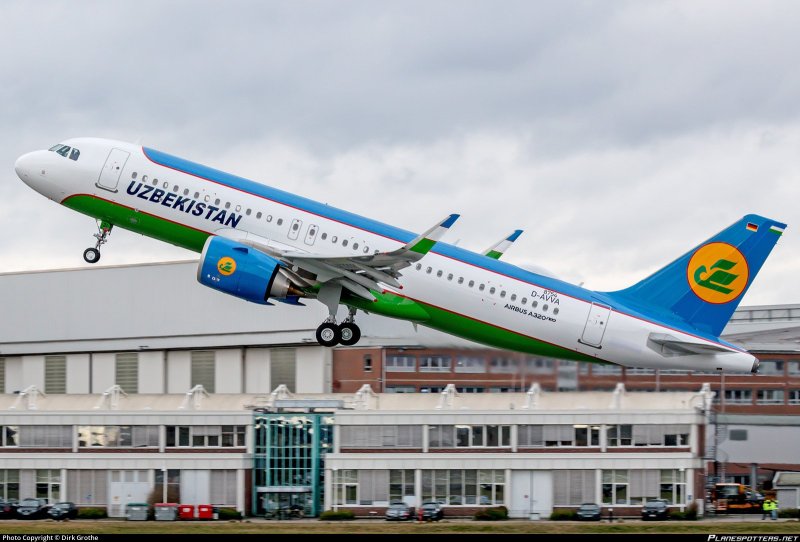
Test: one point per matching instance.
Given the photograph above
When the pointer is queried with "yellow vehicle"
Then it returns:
(731, 497)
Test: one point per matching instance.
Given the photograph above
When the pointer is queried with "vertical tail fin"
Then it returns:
(704, 286)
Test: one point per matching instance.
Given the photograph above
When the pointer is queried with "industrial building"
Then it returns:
(122, 381)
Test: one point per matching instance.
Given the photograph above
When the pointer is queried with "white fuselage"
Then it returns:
(488, 296)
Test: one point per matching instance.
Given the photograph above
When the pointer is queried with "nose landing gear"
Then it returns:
(92, 255)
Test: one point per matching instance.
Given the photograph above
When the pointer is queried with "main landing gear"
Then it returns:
(347, 333)
(92, 255)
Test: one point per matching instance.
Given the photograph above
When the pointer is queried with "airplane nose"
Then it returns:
(23, 167)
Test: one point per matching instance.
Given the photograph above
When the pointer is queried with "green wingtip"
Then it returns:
(424, 246)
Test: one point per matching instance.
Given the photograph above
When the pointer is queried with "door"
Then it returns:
(596, 324)
(126, 486)
(294, 228)
(311, 234)
(531, 494)
(195, 486)
(109, 176)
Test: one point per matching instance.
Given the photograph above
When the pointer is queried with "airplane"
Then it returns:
(262, 244)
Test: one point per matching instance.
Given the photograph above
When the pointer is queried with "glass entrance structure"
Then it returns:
(289, 458)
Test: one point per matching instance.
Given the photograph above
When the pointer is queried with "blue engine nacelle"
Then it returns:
(242, 271)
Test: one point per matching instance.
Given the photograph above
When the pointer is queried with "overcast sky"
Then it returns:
(616, 134)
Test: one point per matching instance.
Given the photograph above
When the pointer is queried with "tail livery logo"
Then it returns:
(717, 273)
(226, 266)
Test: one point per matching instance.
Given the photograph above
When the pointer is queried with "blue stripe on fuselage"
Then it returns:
(403, 236)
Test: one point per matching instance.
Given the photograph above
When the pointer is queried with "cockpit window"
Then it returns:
(64, 150)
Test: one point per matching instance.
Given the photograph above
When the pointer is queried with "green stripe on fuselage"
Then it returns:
(146, 224)
(394, 306)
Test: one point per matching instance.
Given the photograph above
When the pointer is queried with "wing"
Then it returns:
(497, 249)
(358, 274)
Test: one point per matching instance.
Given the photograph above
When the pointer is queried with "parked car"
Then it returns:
(32, 508)
(656, 509)
(399, 511)
(63, 510)
(589, 511)
(8, 509)
(431, 511)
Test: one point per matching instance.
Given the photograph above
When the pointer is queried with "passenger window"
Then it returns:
(166, 185)
(555, 310)
(418, 266)
(513, 297)
(344, 242)
(206, 198)
(534, 304)
(175, 188)
(75, 154)
(196, 195)
(258, 214)
(334, 238)
(471, 283)
(366, 249)
(355, 246)
(439, 273)
(247, 212)
(324, 236)
(428, 270)
(295, 226)
(133, 175)
(449, 276)
(503, 293)
(481, 287)
(461, 280)
(544, 307)
(227, 204)
(524, 301)
(216, 201)
(491, 290)
(280, 221)
(185, 191)
(155, 182)
(144, 178)
(239, 208)
(269, 218)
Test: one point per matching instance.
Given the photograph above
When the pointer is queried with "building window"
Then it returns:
(586, 435)
(401, 484)
(368, 363)
(771, 367)
(38, 436)
(503, 366)
(464, 487)
(173, 484)
(660, 435)
(794, 397)
(55, 374)
(203, 369)
(469, 436)
(673, 486)
(639, 371)
(381, 436)
(2, 375)
(401, 389)
(48, 485)
(9, 484)
(737, 434)
(205, 436)
(615, 486)
(467, 364)
(539, 366)
(126, 372)
(793, 367)
(345, 486)
(401, 364)
(619, 435)
(283, 368)
(573, 487)
(769, 397)
(434, 364)
(606, 369)
(741, 397)
(118, 436)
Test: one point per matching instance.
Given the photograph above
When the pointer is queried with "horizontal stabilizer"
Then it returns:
(669, 346)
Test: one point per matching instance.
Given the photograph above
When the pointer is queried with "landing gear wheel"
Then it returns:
(91, 255)
(328, 334)
(350, 333)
